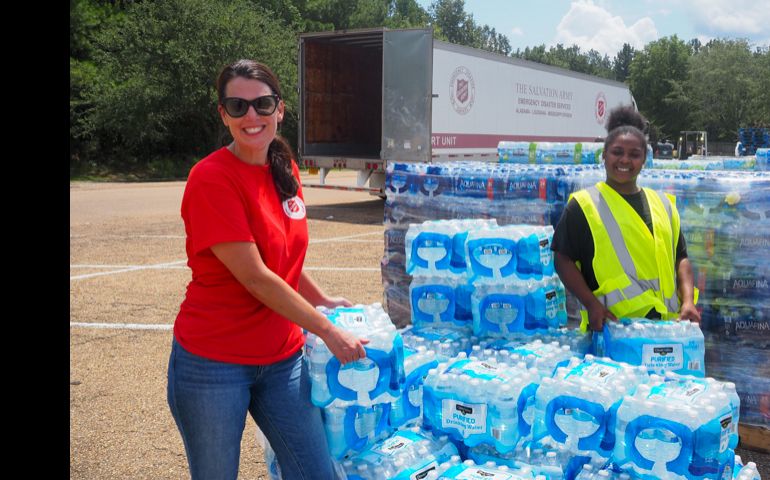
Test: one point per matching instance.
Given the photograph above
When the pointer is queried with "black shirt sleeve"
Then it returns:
(572, 237)
(681, 247)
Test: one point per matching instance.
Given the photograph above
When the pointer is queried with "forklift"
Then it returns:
(692, 143)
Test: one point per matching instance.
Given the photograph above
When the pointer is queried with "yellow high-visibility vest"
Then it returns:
(634, 269)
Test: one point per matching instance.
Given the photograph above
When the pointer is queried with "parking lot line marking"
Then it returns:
(178, 265)
(124, 326)
(131, 236)
(341, 269)
(347, 237)
(123, 266)
(133, 268)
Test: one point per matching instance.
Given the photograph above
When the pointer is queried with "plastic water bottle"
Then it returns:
(334, 424)
(319, 357)
(503, 418)
(748, 472)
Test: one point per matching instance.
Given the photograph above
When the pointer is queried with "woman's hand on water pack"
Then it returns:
(344, 345)
(333, 302)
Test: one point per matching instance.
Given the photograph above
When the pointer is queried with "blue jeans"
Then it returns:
(209, 401)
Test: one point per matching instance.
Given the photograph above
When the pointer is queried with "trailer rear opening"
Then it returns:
(342, 102)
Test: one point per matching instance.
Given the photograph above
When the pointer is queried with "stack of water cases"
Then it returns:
(499, 278)
(678, 426)
(725, 220)
(564, 153)
(439, 292)
(752, 139)
(502, 194)
(659, 345)
(712, 163)
(357, 397)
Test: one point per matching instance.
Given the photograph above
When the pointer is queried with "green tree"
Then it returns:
(532, 54)
(153, 96)
(492, 41)
(600, 65)
(657, 77)
(321, 15)
(87, 18)
(452, 23)
(759, 114)
(621, 64)
(722, 85)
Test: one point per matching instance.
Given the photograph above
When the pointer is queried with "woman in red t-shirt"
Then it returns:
(238, 339)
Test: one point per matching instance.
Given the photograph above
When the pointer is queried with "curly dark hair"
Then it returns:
(623, 120)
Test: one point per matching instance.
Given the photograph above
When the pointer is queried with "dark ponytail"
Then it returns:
(625, 120)
(279, 154)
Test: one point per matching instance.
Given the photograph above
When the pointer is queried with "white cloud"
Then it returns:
(517, 32)
(591, 26)
(730, 18)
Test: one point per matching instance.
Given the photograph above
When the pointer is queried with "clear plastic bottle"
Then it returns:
(319, 389)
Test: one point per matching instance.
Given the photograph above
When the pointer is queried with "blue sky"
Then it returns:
(605, 25)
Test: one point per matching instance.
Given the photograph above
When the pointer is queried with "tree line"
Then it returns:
(142, 94)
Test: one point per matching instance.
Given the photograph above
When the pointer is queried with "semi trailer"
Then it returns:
(372, 96)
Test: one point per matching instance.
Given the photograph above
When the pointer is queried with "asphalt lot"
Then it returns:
(127, 279)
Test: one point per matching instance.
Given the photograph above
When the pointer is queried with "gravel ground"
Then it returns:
(127, 261)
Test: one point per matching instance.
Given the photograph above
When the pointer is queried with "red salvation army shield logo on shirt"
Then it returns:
(294, 208)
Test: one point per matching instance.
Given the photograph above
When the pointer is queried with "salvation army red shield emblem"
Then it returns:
(462, 90)
(601, 108)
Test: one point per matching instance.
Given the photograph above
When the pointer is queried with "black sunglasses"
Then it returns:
(238, 107)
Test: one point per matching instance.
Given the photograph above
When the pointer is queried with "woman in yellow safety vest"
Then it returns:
(618, 247)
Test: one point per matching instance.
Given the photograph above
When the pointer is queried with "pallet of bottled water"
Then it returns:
(679, 427)
(659, 345)
(500, 278)
(560, 153)
(709, 163)
(406, 454)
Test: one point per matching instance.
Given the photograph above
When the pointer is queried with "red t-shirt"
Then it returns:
(227, 200)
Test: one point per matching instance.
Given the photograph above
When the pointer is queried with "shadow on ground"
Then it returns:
(362, 213)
